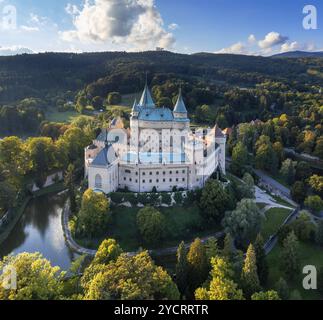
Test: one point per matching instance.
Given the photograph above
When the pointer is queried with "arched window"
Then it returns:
(98, 181)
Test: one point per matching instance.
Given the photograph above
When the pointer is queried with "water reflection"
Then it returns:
(40, 230)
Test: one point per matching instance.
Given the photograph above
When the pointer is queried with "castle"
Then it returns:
(159, 152)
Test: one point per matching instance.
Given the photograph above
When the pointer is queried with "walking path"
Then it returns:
(84, 251)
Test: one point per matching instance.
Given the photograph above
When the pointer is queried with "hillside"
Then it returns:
(299, 54)
(48, 73)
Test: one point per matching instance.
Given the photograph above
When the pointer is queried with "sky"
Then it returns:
(255, 27)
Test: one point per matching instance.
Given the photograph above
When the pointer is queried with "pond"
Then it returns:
(40, 230)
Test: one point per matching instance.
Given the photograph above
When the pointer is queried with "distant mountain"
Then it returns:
(299, 54)
(15, 50)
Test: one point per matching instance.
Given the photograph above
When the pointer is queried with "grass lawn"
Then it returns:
(182, 223)
(310, 254)
(274, 219)
(62, 117)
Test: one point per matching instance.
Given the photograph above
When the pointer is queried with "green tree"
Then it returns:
(214, 200)
(268, 295)
(131, 278)
(94, 214)
(266, 158)
(7, 196)
(36, 280)
(262, 265)
(316, 183)
(182, 269)
(240, 159)
(81, 104)
(198, 264)
(298, 192)
(151, 224)
(97, 103)
(249, 275)
(288, 171)
(282, 288)
(108, 251)
(314, 203)
(212, 248)
(290, 256)
(303, 171)
(303, 226)
(114, 98)
(228, 251)
(69, 183)
(244, 222)
(222, 287)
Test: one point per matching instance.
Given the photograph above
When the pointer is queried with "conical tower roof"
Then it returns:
(180, 105)
(146, 100)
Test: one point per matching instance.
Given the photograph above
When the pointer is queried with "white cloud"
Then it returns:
(173, 26)
(252, 39)
(292, 46)
(272, 39)
(29, 28)
(237, 48)
(135, 23)
(14, 50)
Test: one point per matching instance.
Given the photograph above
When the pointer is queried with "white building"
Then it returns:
(158, 152)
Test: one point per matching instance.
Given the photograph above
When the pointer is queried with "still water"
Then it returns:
(40, 230)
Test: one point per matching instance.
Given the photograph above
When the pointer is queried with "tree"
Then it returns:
(228, 248)
(318, 152)
(303, 171)
(7, 196)
(81, 104)
(249, 275)
(262, 266)
(108, 251)
(314, 203)
(289, 256)
(94, 214)
(214, 200)
(266, 158)
(240, 159)
(244, 222)
(97, 102)
(222, 287)
(319, 233)
(69, 183)
(212, 248)
(268, 295)
(131, 278)
(114, 98)
(247, 189)
(198, 264)
(164, 102)
(316, 183)
(151, 224)
(182, 269)
(36, 280)
(282, 289)
(16, 159)
(298, 192)
(288, 171)
(204, 113)
(303, 226)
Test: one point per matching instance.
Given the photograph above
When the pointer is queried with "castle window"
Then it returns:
(157, 173)
(144, 173)
(176, 172)
(164, 173)
(150, 181)
(170, 172)
(98, 181)
(164, 180)
(183, 179)
(183, 171)
(170, 180)
(124, 178)
(150, 173)
(143, 181)
(127, 171)
(176, 179)
(157, 180)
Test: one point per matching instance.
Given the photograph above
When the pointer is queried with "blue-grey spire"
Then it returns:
(146, 100)
(180, 105)
(135, 108)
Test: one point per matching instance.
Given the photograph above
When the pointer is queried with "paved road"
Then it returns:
(272, 182)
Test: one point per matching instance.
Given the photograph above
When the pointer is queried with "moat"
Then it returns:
(40, 230)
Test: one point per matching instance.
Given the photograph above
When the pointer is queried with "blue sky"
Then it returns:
(250, 27)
